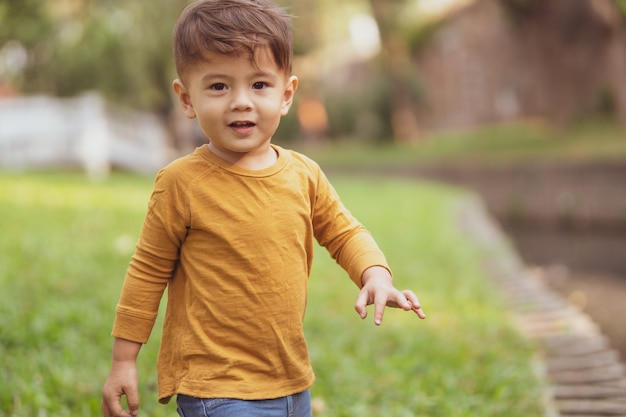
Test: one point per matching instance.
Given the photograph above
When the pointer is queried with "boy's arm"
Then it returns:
(378, 289)
(122, 380)
(354, 248)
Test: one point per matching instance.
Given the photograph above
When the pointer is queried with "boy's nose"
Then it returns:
(241, 100)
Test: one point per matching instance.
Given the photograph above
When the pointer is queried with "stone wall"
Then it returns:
(555, 60)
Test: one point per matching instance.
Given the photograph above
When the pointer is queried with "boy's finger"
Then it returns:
(361, 304)
(132, 398)
(110, 405)
(415, 303)
(418, 310)
(112, 409)
(380, 302)
(105, 410)
(403, 301)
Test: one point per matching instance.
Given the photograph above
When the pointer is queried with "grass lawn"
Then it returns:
(533, 141)
(66, 242)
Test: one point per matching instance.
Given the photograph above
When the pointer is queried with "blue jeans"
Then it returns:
(297, 405)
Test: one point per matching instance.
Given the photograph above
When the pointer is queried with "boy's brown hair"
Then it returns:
(232, 27)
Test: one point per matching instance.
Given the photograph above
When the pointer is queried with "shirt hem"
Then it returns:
(281, 391)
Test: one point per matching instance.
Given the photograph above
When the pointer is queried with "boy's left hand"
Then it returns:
(378, 289)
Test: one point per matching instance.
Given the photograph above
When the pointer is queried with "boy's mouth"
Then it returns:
(242, 124)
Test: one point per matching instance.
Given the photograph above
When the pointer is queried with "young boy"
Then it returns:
(230, 231)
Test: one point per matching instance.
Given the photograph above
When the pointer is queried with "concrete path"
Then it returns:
(584, 376)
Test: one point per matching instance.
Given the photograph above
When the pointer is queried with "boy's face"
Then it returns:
(238, 102)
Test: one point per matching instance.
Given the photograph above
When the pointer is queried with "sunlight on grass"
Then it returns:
(504, 144)
(63, 254)
(463, 360)
(66, 243)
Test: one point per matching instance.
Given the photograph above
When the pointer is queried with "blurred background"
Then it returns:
(523, 101)
(393, 70)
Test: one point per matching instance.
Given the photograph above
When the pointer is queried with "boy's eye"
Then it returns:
(218, 86)
(259, 85)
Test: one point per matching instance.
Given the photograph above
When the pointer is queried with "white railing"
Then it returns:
(83, 132)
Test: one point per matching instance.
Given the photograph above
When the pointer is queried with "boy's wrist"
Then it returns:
(125, 351)
(375, 271)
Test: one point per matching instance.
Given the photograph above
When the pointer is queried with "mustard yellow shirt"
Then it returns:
(234, 248)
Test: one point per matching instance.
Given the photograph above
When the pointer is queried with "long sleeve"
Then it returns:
(347, 240)
(154, 261)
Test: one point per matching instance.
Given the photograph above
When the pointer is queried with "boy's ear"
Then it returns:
(184, 98)
(290, 91)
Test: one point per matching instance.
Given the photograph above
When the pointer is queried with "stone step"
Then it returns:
(591, 408)
(539, 302)
(574, 323)
(615, 384)
(588, 376)
(583, 375)
(587, 392)
(561, 345)
(579, 362)
(554, 314)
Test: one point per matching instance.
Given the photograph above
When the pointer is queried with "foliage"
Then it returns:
(360, 112)
(398, 68)
(621, 5)
(66, 243)
(122, 48)
(24, 20)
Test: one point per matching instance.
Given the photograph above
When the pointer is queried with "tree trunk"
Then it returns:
(616, 55)
(396, 65)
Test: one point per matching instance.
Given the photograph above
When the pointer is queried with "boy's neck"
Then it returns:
(252, 161)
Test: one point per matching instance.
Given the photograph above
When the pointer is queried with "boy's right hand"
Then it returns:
(122, 381)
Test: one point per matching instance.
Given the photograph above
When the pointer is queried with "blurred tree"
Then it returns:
(306, 32)
(23, 27)
(25, 20)
(121, 47)
(613, 16)
(397, 68)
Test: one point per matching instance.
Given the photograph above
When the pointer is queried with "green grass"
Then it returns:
(66, 243)
(492, 145)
